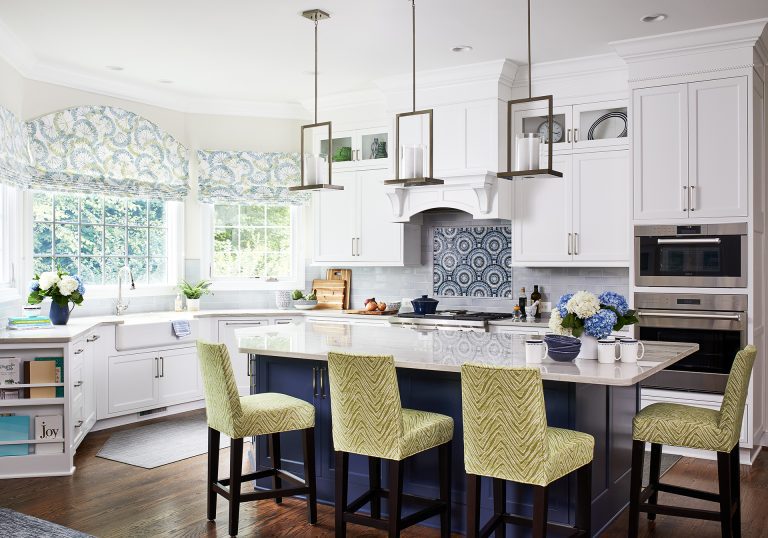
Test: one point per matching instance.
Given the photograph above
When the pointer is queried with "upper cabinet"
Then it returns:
(690, 150)
(580, 127)
(358, 148)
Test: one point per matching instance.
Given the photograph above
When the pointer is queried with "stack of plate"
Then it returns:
(562, 348)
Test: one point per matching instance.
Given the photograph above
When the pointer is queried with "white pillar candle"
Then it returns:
(527, 152)
(310, 170)
(412, 162)
(322, 169)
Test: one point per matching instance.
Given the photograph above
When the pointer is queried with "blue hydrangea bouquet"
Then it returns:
(583, 312)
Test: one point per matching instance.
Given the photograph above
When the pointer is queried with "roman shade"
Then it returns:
(107, 150)
(14, 154)
(249, 177)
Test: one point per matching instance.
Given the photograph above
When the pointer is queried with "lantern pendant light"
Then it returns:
(413, 163)
(527, 144)
(313, 166)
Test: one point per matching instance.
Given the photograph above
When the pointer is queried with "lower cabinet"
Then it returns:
(139, 381)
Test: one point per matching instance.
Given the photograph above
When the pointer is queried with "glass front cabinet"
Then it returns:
(577, 127)
(358, 148)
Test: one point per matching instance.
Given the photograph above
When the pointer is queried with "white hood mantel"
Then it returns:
(484, 196)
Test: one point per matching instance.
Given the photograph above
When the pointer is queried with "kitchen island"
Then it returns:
(599, 399)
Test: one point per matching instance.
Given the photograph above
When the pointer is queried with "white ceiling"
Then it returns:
(261, 50)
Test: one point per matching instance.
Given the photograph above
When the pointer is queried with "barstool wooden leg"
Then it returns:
(726, 492)
(635, 485)
(214, 438)
(584, 499)
(473, 506)
(308, 438)
(374, 485)
(499, 504)
(395, 497)
(342, 473)
(274, 454)
(235, 474)
(653, 482)
(540, 509)
(736, 489)
(444, 465)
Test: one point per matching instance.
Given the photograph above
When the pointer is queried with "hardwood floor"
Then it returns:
(110, 499)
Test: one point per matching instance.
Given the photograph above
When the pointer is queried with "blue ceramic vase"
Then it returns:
(60, 314)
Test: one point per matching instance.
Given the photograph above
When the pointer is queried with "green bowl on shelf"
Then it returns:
(342, 154)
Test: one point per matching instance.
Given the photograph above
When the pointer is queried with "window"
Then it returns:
(95, 235)
(253, 241)
(8, 235)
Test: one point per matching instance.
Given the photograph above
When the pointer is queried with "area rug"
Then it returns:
(20, 525)
(667, 461)
(160, 443)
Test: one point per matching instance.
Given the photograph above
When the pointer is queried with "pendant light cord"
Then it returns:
(413, 19)
(530, 93)
(315, 70)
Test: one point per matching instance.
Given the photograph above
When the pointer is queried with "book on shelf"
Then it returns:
(59, 361)
(10, 374)
(48, 427)
(14, 428)
(34, 322)
(40, 372)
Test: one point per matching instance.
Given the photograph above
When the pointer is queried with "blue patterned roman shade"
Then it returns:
(249, 177)
(14, 154)
(108, 150)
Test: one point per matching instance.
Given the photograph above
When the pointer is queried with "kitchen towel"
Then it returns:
(181, 328)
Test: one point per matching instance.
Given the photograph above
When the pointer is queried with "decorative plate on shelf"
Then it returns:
(557, 131)
(610, 125)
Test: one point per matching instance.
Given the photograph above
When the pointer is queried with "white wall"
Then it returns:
(11, 88)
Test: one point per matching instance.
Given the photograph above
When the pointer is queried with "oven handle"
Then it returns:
(691, 240)
(732, 317)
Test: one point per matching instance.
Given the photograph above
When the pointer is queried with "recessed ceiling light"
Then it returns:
(461, 48)
(165, 81)
(656, 17)
(115, 67)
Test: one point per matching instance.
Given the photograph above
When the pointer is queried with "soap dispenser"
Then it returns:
(178, 305)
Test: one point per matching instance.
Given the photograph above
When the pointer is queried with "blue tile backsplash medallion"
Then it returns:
(472, 261)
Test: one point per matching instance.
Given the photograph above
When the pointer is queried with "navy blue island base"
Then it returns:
(603, 411)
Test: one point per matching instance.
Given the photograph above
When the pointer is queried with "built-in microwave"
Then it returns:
(699, 255)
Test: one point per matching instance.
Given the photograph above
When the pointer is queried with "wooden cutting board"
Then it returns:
(345, 275)
(372, 312)
(330, 294)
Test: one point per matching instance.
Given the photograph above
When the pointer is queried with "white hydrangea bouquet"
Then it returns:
(583, 312)
(59, 286)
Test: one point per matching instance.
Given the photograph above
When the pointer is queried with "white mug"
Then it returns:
(606, 351)
(535, 351)
(629, 349)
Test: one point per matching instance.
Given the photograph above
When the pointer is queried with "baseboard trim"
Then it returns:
(114, 422)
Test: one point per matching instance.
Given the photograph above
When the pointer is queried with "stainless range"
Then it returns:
(455, 320)
(718, 323)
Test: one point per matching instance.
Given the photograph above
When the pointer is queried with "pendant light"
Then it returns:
(312, 165)
(413, 164)
(527, 146)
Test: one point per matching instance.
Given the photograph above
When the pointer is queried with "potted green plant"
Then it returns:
(194, 292)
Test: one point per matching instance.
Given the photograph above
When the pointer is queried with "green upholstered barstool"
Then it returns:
(249, 416)
(506, 437)
(693, 427)
(368, 419)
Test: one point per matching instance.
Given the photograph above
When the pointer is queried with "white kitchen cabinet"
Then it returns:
(600, 194)
(463, 139)
(717, 148)
(179, 379)
(579, 219)
(132, 383)
(690, 150)
(239, 360)
(355, 227)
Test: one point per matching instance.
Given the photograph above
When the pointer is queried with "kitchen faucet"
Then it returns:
(121, 305)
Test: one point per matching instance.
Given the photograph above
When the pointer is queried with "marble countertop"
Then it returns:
(446, 351)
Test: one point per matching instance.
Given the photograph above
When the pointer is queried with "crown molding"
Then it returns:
(580, 67)
(699, 40)
(336, 101)
(502, 71)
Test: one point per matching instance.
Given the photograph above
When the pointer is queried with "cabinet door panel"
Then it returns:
(601, 206)
(133, 382)
(660, 143)
(718, 159)
(381, 240)
(179, 376)
(239, 360)
(335, 220)
(543, 217)
(450, 139)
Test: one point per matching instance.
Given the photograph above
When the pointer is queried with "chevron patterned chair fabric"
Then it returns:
(694, 427)
(368, 419)
(506, 437)
(249, 416)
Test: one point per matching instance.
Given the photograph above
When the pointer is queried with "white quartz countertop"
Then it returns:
(446, 351)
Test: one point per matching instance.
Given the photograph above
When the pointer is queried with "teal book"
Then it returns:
(14, 428)
(59, 372)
